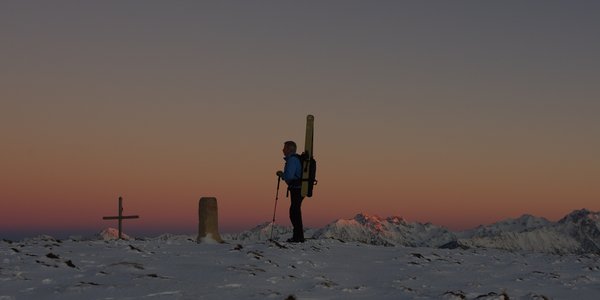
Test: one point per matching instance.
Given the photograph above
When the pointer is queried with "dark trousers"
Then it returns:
(296, 213)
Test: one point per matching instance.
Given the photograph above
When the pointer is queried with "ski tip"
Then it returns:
(310, 117)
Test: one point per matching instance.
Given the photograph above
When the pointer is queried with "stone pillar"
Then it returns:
(208, 221)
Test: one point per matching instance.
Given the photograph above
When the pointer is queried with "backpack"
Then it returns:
(311, 164)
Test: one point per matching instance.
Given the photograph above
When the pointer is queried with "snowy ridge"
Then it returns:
(524, 223)
(262, 232)
(577, 232)
(543, 239)
(392, 231)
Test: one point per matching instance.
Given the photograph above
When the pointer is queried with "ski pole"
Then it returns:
(275, 209)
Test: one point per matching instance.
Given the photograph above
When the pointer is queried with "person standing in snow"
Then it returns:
(292, 175)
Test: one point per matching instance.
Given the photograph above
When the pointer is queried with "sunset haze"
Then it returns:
(455, 113)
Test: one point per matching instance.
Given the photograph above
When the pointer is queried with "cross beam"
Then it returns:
(120, 217)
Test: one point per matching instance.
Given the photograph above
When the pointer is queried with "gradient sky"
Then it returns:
(458, 113)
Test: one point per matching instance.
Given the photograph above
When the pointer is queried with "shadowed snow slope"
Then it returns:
(584, 226)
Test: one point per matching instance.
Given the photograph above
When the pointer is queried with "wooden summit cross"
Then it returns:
(120, 217)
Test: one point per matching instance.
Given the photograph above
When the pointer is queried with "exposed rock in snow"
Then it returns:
(112, 234)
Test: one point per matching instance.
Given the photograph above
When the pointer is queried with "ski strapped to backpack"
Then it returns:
(309, 165)
(307, 160)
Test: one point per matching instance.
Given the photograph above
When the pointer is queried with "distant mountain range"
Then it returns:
(577, 232)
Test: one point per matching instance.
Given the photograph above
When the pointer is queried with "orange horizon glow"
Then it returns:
(453, 114)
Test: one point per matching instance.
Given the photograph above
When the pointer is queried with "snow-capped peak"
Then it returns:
(580, 215)
(523, 223)
(391, 231)
(584, 226)
(364, 218)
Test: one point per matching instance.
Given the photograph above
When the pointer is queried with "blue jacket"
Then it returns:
(292, 172)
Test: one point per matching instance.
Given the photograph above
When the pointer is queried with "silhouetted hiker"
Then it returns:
(292, 175)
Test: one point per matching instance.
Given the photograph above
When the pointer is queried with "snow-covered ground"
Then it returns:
(366, 257)
(176, 267)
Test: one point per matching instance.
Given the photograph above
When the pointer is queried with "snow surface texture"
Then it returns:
(176, 267)
(344, 260)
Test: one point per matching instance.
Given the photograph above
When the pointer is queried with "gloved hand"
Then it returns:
(279, 173)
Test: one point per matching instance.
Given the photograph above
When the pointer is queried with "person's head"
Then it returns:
(289, 147)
